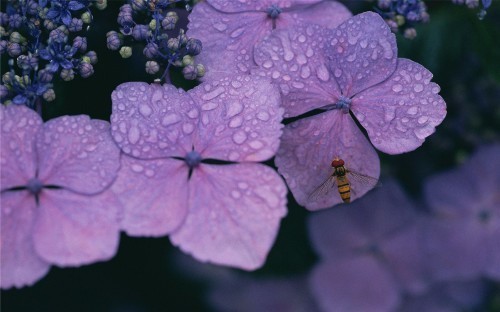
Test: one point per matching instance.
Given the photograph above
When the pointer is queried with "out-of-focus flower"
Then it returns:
(403, 15)
(353, 68)
(465, 223)
(54, 204)
(370, 253)
(221, 213)
(229, 30)
(448, 296)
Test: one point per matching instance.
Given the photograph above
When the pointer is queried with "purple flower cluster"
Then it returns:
(385, 253)
(473, 4)
(154, 23)
(43, 39)
(403, 15)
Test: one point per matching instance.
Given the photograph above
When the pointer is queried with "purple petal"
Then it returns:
(75, 5)
(239, 119)
(73, 229)
(401, 112)
(154, 195)
(148, 121)
(326, 13)
(295, 61)
(66, 17)
(77, 153)
(234, 214)
(230, 6)
(17, 156)
(360, 284)
(456, 249)
(307, 149)
(228, 39)
(362, 52)
(21, 265)
(44, 53)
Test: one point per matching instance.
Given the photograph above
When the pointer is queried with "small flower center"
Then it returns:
(193, 159)
(273, 11)
(34, 186)
(343, 104)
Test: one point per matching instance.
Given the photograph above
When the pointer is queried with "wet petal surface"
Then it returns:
(149, 120)
(73, 230)
(154, 195)
(21, 266)
(294, 60)
(77, 153)
(361, 53)
(401, 112)
(19, 126)
(234, 214)
(239, 119)
(307, 149)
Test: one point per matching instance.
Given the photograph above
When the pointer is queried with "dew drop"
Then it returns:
(305, 72)
(236, 122)
(256, 144)
(337, 73)
(302, 38)
(213, 94)
(267, 64)
(235, 194)
(418, 88)
(422, 119)
(137, 168)
(134, 135)
(412, 110)
(239, 137)
(264, 116)
(187, 128)
(220, 26)
(237, 32)
(363, 43)
(323, 73)
(170, 119)
(209, 106)
(397, 88)
(298, 85)
(145, 110)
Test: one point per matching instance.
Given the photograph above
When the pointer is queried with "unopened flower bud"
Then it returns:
(86, 17)
(14, 49)
(193, 46)
(169, 21)
(187, 60)
(45, 75)
(140, 32)
(101, 4)
(58, 35)
(86, 70)
(400, 20)
(152, 24)
(49, 25)
(3, 46)
(92, 56)
(200, 70)
(410, 33)
(151, 50)
(189, 72)
(49, 95)
(138, 5)
(152, 67)
(173, 44)
(125, 52)
(80, 43)
(67, 74)
(113, 40)
(16, 37)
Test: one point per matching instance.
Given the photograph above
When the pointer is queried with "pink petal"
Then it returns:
(307, 149)
(401, 112)
(73, 229)
(149, 121)
(77, 153)
(21, 266)
(360, 284)
(227, 39)
(294, 60)
(154, 195)
(234, 214)
(362, 53)
(17, 157)
(239, 119)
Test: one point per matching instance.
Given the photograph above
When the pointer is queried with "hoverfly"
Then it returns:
(342, 177)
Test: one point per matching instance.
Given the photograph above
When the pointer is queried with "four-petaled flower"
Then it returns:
(55, 207)
(230, 29)
(60, 10)
(353, 68)
(222, 213)
(59, 54)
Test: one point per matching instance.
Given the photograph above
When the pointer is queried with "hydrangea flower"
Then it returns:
(223, 213)
(448, 296)
(230, 29)
(54, 208)
(465, 204)
(353, 68)
(370, 250)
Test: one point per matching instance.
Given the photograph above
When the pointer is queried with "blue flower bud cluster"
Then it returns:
(154, 23)
(473, 4)
(403, 15)
(42, 40)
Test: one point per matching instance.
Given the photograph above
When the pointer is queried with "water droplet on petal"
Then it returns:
(236, 122)
(422, 119)
(239, 137)
(220, 26)
(267, 64)
(397, 88)
(305, 72)
(323, 73)
(235, 194)
(264, 116)
(237, 32)
(137, 168)
(145, 110)
(170, 119)
(412, 110)
(187, 128)
(134, 135)
(256, 144)
(337, 72)
(418, 88)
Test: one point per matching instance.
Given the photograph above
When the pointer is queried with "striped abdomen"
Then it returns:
(343, 184)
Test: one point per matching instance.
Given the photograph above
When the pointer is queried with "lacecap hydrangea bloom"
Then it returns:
(353, 68)
(370, 253)
(230, 29)
(55, 207)
(226, 213)
(465, 207)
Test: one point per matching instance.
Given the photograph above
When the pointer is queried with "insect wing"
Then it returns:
(359, 178)
(324, 188)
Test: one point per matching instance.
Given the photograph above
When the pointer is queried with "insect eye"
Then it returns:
(337, 163)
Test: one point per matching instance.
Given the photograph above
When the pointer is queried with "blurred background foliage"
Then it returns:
(461, 51)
